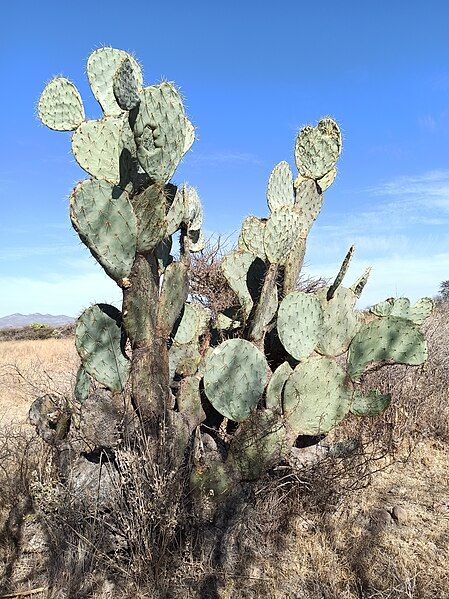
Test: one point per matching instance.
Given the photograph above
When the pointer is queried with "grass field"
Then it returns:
(386, 539)
(31, 368)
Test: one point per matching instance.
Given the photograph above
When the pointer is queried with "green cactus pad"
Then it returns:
(160, 131)
(174, 291)
(275, 387)
(190, 135)
(100, 342)
(126, 87)
(193, 324)
(224, 322)
(401, 307)
(317, 396)
(260, 442)
(183, 360)
(149, 207)
(340, 321)
(382, 308)
(300, 323)
(176, 213)
(103, 217)
(370, 404)
(326, 181)
(194, 208)
(318, 148)
(234, 378)
(421, 310)
(60, 106)
(82, 385)
(188, 400)
(104, 148)
(252, 236)
(102, 66)
(266, 308)
(391, 338)
(281, 233)
(235, 267)
(309, 202)
(280, 186)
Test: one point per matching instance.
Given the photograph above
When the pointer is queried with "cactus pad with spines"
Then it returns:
(104, 148)
(309, 200)
(326, 181)
(60, 106)
(340, 321)
(372, 403)
(300, 323)
(82, 385)
(193, 324)
(282, 230)
(317, 396)
(252, 236)
(235, 267)
(100, 342)
(160, 131)
(391, 338)
(149, 207)
(103, 217)
(172, 297)
(401, 307)
(273, 398)
(176, 213)
(102, 65)
(318, 148)
(125, 85)
(234, 378)
(280, 186)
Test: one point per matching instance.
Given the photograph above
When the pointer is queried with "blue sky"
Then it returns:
(252, 74)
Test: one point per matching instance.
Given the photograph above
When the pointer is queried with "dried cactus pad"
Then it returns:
(234, 378)
(390, 338)
(317, 396)
(318, 148)
(103, 217)
(126, 87)
(299, 323)
(100, 341)
(280, 186)
(370, 404)
(60, 106)
(102, 66)
(104, 148)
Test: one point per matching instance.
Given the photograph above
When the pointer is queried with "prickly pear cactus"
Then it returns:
(280, 364)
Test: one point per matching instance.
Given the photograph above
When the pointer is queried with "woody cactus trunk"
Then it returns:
(280, 364)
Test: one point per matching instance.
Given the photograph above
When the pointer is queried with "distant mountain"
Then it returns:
(16, 321)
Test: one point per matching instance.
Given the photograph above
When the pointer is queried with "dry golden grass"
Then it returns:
(347, 546)
(31, 368)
